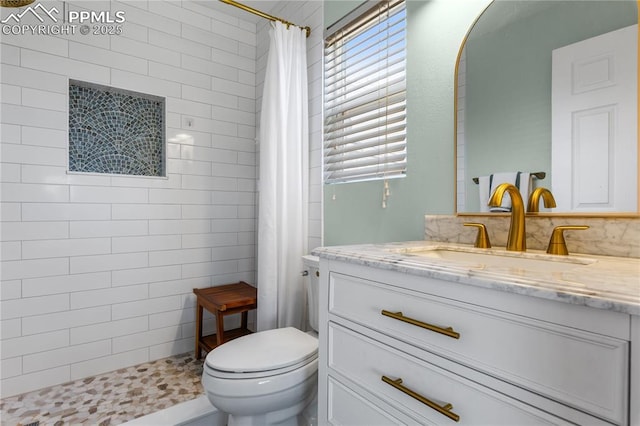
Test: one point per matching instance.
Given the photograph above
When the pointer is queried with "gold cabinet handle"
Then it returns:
(398, 315)
(442, 409)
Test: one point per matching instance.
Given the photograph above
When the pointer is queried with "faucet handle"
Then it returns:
(557, 244)
(482, 239)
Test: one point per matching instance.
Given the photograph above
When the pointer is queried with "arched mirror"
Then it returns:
(550, 88)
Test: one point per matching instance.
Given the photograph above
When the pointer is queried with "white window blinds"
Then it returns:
(365, 97)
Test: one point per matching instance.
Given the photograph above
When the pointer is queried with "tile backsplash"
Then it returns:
(606, 236)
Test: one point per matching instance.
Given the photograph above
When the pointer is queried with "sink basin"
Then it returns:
(499, 259)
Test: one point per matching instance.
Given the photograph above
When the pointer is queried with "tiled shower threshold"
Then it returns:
(108, 399)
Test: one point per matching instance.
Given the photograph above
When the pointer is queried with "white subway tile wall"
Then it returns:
(95, 268)
(98, 270)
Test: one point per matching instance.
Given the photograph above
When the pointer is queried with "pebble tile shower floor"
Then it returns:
(108, 399)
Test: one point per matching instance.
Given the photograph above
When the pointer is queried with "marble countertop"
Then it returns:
(602, 282)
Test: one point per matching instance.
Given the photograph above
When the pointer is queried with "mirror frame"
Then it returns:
(539, 214)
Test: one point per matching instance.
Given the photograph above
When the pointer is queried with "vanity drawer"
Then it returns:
(369, 363)
(583, 370)
(346, 407)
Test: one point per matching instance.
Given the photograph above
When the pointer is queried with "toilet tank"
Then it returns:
(312, 283)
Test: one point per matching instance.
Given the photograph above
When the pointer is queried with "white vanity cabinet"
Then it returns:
(397, 348)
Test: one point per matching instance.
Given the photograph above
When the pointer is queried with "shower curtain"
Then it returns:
(284, 181)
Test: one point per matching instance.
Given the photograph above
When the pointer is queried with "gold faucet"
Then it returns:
(534, 200)
(517, 238)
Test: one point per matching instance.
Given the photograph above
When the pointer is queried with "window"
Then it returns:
(365, 97)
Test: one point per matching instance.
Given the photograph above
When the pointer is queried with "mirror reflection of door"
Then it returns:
(594, 123)
(504, 100)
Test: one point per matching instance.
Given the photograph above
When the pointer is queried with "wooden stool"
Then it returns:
(238, 298)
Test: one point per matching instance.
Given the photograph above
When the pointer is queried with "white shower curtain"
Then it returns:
(284, 181)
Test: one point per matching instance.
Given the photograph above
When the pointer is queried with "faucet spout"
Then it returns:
(517, 234)
(534, 200)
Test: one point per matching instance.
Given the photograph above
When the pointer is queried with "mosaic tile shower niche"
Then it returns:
(115, 131)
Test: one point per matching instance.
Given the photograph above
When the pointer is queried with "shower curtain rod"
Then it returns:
(264, 15)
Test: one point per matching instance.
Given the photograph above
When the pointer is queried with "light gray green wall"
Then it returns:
(508, 88)
(334, 10)
(435, 32)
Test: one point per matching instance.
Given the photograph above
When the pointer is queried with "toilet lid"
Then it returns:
(266, 350)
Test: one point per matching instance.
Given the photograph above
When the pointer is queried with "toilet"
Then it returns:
(269, 377)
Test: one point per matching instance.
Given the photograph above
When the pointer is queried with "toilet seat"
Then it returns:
(262, 354)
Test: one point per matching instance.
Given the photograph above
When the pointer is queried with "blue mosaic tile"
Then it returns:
(115, 131)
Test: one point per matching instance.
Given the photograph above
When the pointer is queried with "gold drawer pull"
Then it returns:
(398, 315)
(442, 409)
